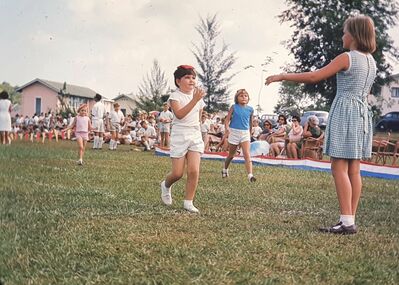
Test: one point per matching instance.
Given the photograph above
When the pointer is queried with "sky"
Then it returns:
(110, 45)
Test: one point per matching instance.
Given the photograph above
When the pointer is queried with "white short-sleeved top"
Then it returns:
(98, 111)
(116, 117)
(192, 118)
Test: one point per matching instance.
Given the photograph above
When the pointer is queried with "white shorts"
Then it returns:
(237, 136)
(185, 139)
(164, 128)
(115, 127)
(98, 125)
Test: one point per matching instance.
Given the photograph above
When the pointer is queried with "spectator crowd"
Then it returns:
(149, 129)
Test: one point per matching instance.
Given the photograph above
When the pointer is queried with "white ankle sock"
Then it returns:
(188, 203)
(95, 142)
(347, 220)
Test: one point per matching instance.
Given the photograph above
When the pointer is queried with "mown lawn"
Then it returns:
(103, 223)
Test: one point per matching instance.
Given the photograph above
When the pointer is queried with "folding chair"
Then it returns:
(380, 147)
(313, 146)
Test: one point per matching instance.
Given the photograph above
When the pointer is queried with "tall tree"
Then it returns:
(154, 90)
(15, 97)
(316, 40)
(214, 64)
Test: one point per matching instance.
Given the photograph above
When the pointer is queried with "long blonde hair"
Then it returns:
(362, 29)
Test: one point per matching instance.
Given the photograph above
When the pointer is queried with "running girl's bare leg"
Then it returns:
(177, 171)
(193, 168)
(229, 158)
(81, 147)
(247, 156)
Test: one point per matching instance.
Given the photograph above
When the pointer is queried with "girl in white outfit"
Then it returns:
(186, 145)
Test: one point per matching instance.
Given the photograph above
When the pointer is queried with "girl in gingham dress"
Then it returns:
(349, 132)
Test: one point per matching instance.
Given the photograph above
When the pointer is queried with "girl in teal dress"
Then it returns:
(348, 136)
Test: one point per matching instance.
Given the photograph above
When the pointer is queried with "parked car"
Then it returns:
(321, 115)
(271, 117)
(390, 121)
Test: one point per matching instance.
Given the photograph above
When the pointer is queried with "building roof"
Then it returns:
(73, 90)
(130, 96)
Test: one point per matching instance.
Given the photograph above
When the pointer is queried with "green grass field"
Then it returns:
(103, 223)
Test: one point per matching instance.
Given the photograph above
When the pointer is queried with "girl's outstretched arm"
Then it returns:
(338, 64)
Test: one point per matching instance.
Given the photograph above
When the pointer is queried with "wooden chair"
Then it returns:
(313, 148)
(379, 152)
(392, 152)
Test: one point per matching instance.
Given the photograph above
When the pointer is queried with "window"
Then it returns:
(395, 92)
(38, 105)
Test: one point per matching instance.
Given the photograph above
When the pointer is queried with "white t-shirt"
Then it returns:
(192, 119)
(166, 115)
(149, 132)
(256, 131)
(98, 111)
(205, 127)
(116, 117)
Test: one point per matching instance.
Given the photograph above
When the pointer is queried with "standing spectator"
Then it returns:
(97, 117)
(116, 121)
(5, 118)
(165, 118)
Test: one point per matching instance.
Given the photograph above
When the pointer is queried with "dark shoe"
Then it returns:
(340, 229)
(252, 179)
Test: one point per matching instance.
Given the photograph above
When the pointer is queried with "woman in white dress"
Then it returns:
(5, 118)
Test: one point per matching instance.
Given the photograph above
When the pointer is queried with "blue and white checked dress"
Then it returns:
(349, 131)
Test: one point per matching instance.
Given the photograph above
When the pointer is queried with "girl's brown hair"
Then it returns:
(362, 29)
(239, 91)
(183, 70)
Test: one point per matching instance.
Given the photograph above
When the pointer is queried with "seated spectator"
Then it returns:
(256, 130)
(267, 130)
(148, 135)
(294, 138)
(279, 134)
(313, 138)
(125, 137)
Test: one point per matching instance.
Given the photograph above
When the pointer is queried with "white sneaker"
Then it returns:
(191, 208)
(166, 194)
(225, 173)
(80, 162)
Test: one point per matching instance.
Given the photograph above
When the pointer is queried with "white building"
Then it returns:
(389, 99)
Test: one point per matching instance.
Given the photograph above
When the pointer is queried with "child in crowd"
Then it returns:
(82, 127)
(349, 132)
(238, 127)
(148, 135)
(116, 121)
(165, 118)
(256, 130)
(186, 143)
